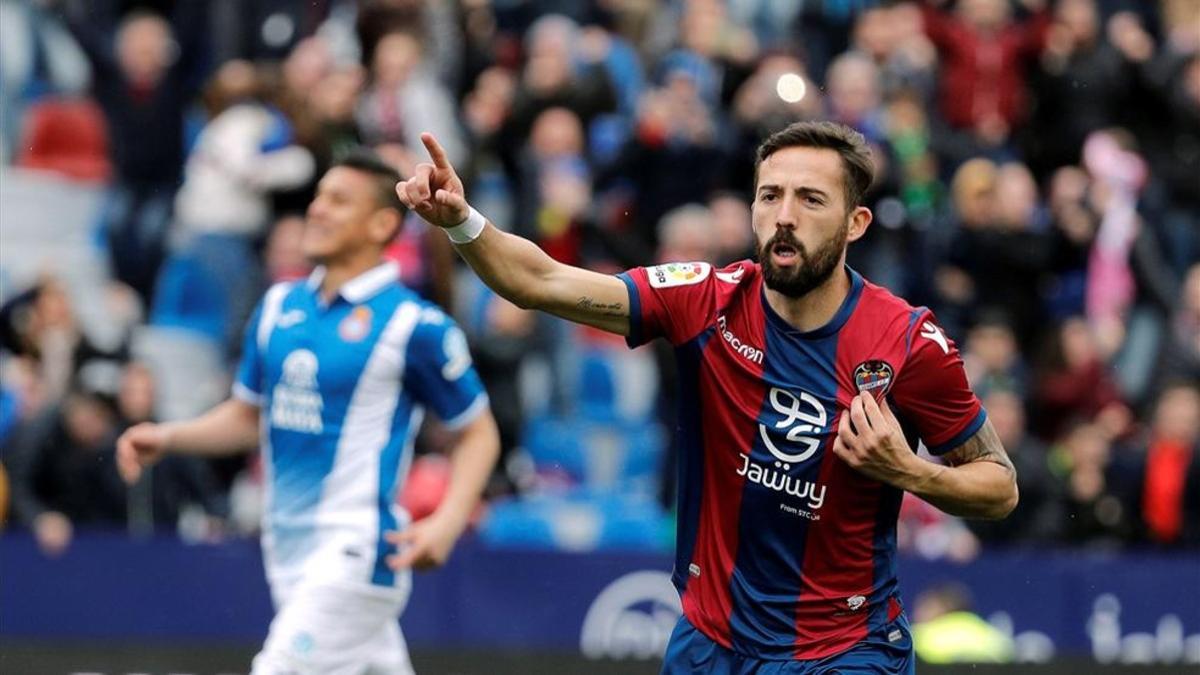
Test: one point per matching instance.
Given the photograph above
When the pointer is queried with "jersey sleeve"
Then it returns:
(439, 372)
(248, 383)
(932, 390)
(674, 301)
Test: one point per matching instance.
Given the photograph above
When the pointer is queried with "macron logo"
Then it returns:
(743, 350)
(932, 332)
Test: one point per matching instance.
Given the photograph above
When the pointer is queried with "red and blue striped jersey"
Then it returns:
(784, 551)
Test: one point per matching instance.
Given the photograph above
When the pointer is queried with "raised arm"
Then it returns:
(512, 266)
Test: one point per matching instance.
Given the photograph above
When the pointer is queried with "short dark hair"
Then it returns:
(859, 171)
(385, 175)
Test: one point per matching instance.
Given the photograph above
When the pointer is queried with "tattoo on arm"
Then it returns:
(984, 446)
(604, 309)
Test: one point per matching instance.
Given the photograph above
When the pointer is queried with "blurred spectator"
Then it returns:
(946, 630)
(143, 80)
(1076, 53)
(64, 466)
(984, 51)
(501, 335)
(1076, 384)
(557, 182)
(246, 150)
(40, 326)
(283, 257)
(854, 98)
(759, 108)
(376, 20)
(675, 155)
(554, 77)
(732, 233)
(992, 358)
(893, 37)
(1180, 354)
(402, 100)
(36, 57)
(1036, 519)
(927, 532)
(996, 256)
(1094, 489)
(1170, 490)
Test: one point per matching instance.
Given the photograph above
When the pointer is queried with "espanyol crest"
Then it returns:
(357, 325)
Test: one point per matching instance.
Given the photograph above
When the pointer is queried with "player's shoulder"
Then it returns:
(882, 308)
(882, 303)
(430, 322)
(701, 276)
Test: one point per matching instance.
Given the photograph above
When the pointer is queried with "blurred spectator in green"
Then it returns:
(946, 630)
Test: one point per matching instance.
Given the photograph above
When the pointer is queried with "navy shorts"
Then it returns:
(690, 651)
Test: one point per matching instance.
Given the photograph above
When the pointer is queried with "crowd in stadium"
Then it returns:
(1038, 189)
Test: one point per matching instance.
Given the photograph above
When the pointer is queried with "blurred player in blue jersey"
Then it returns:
(336, 374)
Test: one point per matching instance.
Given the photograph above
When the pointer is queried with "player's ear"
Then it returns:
(385, 225)
(860, 220)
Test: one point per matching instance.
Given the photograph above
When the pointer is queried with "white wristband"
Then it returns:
(468, 230)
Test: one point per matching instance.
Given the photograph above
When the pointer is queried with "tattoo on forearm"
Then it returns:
(984, 446)
(605, 309)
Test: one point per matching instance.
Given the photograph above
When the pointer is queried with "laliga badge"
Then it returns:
(357, 325)
(873, 376)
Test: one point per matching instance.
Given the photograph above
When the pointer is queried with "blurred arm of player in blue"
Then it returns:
(350, 221)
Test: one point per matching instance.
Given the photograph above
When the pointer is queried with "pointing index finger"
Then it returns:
(435, 151)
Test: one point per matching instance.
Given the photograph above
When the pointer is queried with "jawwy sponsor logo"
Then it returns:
(803, 423)
(632, 618)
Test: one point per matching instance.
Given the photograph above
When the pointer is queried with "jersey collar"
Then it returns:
(362, 287)
(834, 325)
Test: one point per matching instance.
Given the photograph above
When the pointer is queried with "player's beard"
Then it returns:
(810, 271)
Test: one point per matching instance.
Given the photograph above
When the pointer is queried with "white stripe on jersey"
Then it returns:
(272, 304)
(350, 493)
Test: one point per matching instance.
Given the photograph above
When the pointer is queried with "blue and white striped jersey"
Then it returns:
(342, 387)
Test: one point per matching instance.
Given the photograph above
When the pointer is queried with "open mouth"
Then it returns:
(784, 252)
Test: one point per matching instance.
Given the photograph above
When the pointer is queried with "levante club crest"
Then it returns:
(873, 376)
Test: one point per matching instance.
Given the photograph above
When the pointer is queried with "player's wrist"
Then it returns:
(469, 229)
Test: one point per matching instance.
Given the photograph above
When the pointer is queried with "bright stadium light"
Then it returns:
(791, 87)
